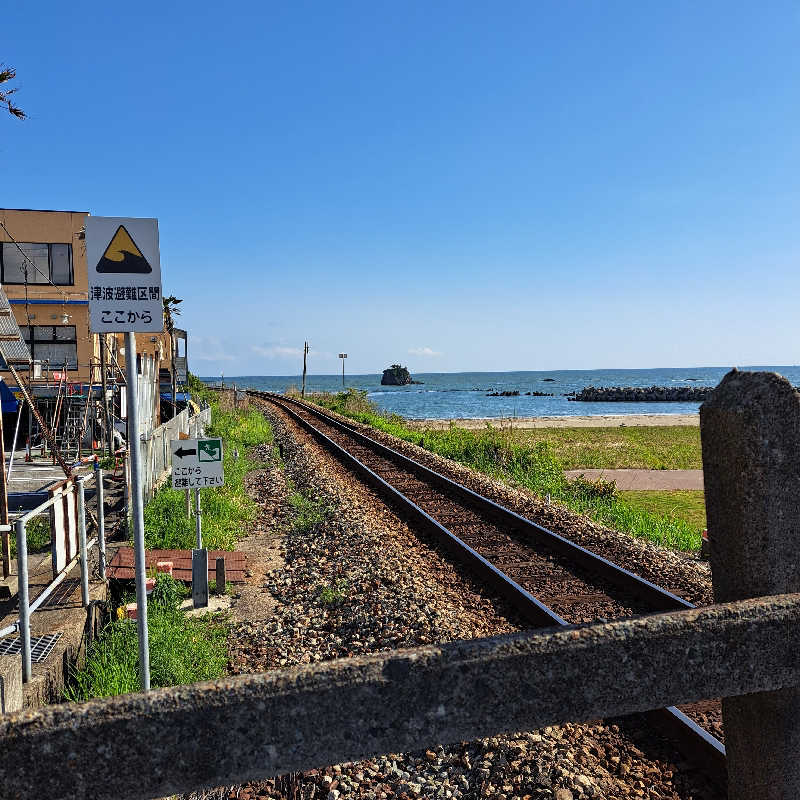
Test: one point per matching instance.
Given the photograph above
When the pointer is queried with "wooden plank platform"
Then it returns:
(122, 564)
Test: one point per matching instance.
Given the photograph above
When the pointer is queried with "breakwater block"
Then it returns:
(640, 394)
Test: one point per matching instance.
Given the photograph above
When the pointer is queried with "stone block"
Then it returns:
(10, 683)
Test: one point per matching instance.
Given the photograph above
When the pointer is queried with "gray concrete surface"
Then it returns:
(231, 730)
(36, 475)
(750, 432)
(61, 613)
(644, 479)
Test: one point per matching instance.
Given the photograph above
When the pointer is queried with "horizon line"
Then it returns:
(746, 367)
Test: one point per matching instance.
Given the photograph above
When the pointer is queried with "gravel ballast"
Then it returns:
(359, 581)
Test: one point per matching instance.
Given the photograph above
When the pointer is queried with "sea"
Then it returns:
(453, 395)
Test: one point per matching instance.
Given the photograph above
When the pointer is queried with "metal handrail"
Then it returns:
(26, 608)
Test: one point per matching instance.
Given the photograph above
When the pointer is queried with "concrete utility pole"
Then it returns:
(750, 430)
(343, 356)
(305, 355)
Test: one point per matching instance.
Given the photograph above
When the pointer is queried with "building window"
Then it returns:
(44, 263)
(53, 344)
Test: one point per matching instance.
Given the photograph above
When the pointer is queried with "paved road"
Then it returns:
(636, 479)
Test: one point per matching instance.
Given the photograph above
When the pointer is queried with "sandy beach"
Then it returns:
(597, 421)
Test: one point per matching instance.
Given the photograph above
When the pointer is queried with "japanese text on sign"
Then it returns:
(196, 463)
(124, 275)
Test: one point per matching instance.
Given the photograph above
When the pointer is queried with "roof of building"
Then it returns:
(47, 210)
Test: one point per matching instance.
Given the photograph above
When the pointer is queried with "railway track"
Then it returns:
(547, 579)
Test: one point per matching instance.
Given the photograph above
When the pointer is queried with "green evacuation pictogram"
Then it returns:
(209, 450)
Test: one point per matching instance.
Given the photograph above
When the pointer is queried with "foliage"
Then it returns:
(197, 387)
(182, 650)
(168, 592)
(594, 488)
(334, 593)
(309, 512)
(37, 536)
(532, 466)
(106, 463)
(171, 310)
(8, 74)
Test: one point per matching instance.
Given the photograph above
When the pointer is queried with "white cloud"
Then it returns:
(275, 351)
(278, 350)
(424, 351)
(223, 357)
(209, 348)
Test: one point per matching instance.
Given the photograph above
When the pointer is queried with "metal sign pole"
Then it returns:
(197, 519)
(137, 508)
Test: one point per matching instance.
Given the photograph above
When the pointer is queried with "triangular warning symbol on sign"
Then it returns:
(122, 255)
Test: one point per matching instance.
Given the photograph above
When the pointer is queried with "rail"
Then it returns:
(254, 726)
(696, 744)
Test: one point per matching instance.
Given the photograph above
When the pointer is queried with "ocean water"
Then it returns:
(449, 395)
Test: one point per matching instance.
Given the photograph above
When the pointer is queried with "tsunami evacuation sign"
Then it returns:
(124, 275)
(196, 463)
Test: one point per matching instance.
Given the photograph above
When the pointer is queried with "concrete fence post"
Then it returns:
(750, 430)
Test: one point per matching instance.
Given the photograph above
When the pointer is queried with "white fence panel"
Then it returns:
(155, 447)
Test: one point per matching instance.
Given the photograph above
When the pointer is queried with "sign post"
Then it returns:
(343, 356)
(125, 297)
(197, 464)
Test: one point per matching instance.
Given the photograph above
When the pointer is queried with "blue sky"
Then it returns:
(452, 186)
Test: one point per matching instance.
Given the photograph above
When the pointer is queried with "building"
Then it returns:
(44, 272)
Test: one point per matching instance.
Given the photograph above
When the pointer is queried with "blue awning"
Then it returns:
(9, 402)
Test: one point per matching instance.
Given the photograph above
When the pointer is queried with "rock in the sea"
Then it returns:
(396, 376)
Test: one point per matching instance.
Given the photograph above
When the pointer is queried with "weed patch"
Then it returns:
(308, 512)
(333, 594)
(182, 649)
(37, 535)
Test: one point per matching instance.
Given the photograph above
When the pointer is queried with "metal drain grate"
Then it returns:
(41, 646)
(62, 593)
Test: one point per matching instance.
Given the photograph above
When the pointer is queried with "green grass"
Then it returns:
(182, 650)
(37, 535)
(308, 512)
(226, 510)
(334, 593)
(686, 505)
(534, 466)
(670, 447)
